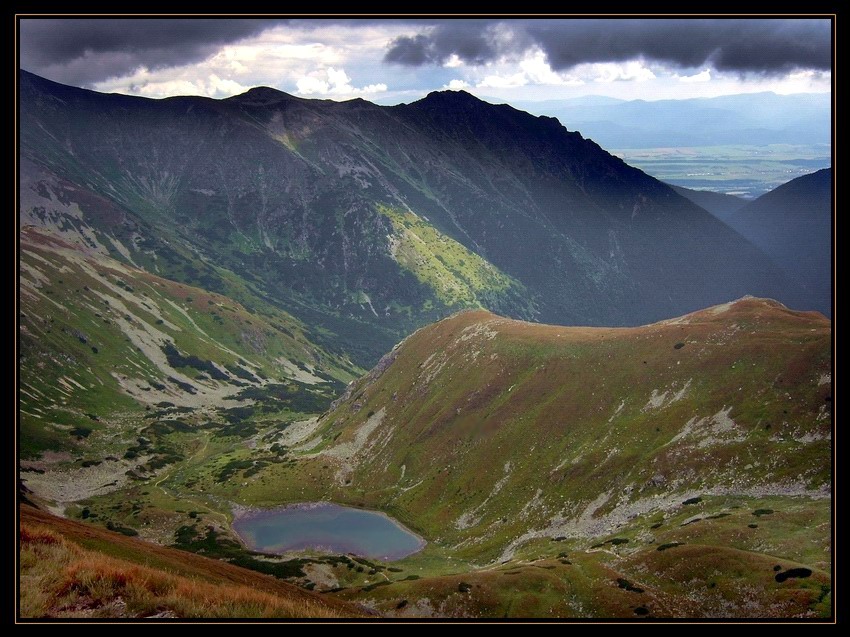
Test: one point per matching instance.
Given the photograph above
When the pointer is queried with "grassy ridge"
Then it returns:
(493, 427)
(504, 442)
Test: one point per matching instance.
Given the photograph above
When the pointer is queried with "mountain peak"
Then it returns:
(450, 97)
(261, 95)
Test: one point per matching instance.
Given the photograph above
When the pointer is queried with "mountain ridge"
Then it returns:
(502, 178)
(425, 384)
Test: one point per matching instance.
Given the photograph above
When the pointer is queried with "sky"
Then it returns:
(389, 61)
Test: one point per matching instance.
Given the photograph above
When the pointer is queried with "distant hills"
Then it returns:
(719, 204)
(756, 119)
(793, 225)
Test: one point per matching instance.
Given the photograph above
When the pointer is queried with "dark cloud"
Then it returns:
(473, 41)
(81, 51)
(761, 46)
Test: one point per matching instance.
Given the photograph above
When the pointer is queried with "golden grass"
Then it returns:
(59, 578)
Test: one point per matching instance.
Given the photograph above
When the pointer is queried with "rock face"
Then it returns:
(366, 222)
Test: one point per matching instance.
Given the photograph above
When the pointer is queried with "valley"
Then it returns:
(646, 470)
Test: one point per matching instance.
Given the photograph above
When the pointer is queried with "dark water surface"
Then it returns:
(327, 527)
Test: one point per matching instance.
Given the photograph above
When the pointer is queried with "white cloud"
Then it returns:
(223, 87)
(456, 85)
(312, 86)
(538, 71)
(335, 82)
(704, 76)
(631, 71)
(332, 60)
(499, 81)
(533, 69)
(145, 83)
(280, 58)
(453, 62)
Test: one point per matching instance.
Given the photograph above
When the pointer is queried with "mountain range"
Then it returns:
(370, 221)
(465, 316)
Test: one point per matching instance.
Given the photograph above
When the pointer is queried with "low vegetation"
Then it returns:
(60, 578)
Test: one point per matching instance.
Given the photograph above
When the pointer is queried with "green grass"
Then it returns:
(459, 277)
(82, 318)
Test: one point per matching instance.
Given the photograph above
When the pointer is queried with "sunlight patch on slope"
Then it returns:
(456, 274)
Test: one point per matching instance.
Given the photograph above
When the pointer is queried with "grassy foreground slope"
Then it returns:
(69, 569)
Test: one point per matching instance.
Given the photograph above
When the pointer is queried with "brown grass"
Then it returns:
(60, 578)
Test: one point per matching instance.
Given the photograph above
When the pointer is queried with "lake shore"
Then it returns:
(243, 516)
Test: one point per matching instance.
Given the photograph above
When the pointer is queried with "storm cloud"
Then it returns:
(86, 50)
(759, 46)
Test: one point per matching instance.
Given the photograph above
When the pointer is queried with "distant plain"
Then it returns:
(742, 170)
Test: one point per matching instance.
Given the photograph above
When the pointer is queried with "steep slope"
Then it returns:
(123, 373)
(482, 413)
(101, 340)
(793, 225)
(611, 244)
(73, 570)
(303, 200)
(270, 187)
(719, 204)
